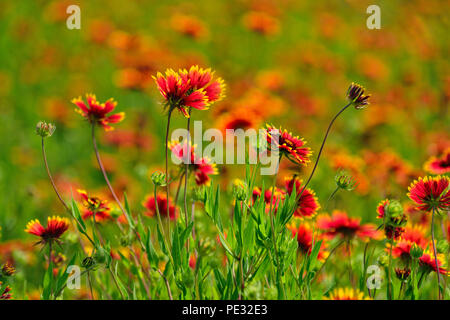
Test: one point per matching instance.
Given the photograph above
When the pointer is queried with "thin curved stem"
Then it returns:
(116, 283)
(167, 284)
(102, 168)
(321, 148)
(331, 196)
(389, 271)
(435, 253)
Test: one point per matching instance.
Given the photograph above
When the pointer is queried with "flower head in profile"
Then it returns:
(161, 201)
(346, 294)
(195, 88)
(356, 96)
(431, 193)
(283, 142)
(428, 262)
(308, 204)
(94, 205)
(413, 235)
(56, 226)
(203, 79)
(439, 165)
(5, 293)
(340, 224)
(97, 113)
(304, 234)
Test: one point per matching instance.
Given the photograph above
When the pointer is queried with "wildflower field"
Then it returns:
(317, 164)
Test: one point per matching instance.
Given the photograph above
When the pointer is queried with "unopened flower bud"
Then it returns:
(159, 179)
(416, 252)
(344, 180)
(442, 246)
(394, 209)
(88, 262)
(199, 194)
(101, 256)
(44, 129)
(239, 190)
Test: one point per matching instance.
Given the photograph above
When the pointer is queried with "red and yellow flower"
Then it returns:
(346, 294)
(308, 204)
(95, 205)
(194, 88)
(286, 144)
(439, 165)
(56, 226)
(340, 224)
(161, 201)
(96, 112)
(304, 234)
(427, 261)
(413, 234)
(6, 293)
(431, 193)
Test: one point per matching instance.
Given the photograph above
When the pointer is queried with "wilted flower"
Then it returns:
(44, 129)
(431, 193)
(96, 112)
(56, 226)
(355, 95)
(402, 274)
(8, 269)
(6, 294)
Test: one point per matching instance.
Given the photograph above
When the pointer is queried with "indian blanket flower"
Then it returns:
(5, 293)
(340, 224)
(161, 200)
(293, 147)
(307, 204)
(346, 294)
(56, 226)
(203, 79)
(356, 96)
(431, 193)
(202, 168)
(428, 262)
(94, 205)
(412, 235)
(304, 234)
(439, 165)
(97, 113)
(195, 88)
(278, 197)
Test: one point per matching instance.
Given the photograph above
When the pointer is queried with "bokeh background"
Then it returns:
(288, 62)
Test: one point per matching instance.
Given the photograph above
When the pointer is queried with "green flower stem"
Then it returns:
(321, 148)
(166, 241)
(433, 214)
(169, 116)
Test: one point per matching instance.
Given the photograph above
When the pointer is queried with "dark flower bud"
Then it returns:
(8, 269)
(88, 262)
(355, 94)
(402, 274)
(44, 129)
